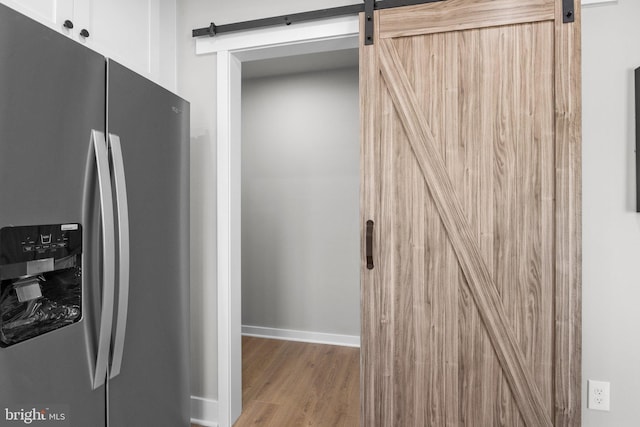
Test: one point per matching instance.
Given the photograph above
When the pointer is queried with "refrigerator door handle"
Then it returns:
(108, 256)
(123, 247)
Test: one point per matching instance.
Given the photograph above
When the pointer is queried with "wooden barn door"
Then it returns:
(471, 178)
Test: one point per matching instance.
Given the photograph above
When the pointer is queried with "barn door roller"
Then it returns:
(568, 11)
(367, 7)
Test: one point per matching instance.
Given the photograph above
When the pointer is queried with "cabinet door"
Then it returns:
(51, 13)
(123, 30)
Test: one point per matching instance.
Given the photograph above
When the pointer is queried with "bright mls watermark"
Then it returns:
(35, 415)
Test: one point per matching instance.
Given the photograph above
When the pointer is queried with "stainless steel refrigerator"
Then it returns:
(94, 226)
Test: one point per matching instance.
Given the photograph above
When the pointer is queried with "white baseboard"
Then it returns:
(303, 336)
(589, 2)
(204, 412)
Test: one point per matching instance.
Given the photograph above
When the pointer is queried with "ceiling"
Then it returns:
(346, 58)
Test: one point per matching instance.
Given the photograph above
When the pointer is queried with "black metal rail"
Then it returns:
(355, 9)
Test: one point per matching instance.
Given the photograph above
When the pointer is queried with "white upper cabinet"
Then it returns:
(52, 13)
(123, 30)
(127, 31)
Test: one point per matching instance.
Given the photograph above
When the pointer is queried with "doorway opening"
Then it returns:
(300, 239)
(232, 51)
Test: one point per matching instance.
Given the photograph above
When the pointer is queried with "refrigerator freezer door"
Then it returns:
(51, 96)
(152, 125)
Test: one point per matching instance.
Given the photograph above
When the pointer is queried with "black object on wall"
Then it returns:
(638, 139)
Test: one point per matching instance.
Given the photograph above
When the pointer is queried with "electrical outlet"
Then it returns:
(599, 395)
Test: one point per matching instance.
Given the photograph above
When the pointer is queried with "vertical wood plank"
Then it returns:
(434, 289)
(568, 242)
(475, 188)
(392, 390)
(452, 277)
(386, 396)
(436, 351)
(537, 271)
(412, 324)
(497, 100)
(369, 208)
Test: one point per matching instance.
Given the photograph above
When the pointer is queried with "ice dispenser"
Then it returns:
(40, 280)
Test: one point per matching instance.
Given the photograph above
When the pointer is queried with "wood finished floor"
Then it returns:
(286, 383)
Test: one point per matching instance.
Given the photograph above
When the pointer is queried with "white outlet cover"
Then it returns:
(599, 393)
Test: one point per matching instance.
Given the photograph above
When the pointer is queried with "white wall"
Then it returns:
(611, 227)
(300, 202)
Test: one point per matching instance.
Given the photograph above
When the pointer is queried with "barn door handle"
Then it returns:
(369, 245)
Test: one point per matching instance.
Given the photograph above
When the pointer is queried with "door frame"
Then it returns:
(231, 50)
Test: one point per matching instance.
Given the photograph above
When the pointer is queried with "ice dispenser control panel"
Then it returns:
(40, 280)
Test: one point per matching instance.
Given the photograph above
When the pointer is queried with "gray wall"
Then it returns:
(300, 202)
(611, 228)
